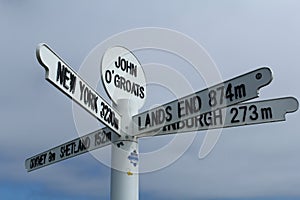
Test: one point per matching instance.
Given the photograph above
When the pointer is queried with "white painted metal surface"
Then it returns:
(78, 146)
(123, 76)
(69, 82)
(125, 157)
(236, 90)
(266, 111)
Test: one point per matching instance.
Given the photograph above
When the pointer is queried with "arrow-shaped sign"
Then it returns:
(266, 111)
(69, 82)
(233, 91)
(89, 142)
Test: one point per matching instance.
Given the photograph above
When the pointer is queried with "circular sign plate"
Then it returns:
(123, 76)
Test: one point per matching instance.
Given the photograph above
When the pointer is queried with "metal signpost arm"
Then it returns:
(258, 112)
(63, 77)
(78, 146)
(233, 91)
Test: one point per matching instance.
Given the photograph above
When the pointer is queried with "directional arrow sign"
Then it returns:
(273, 110)
(70, 149)
(236, 90)
(69, 82)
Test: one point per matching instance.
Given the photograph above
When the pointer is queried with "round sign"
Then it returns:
(123, 76)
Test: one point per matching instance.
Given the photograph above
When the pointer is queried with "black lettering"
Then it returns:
(169, 114)
(66, 78)
(32, 163)
(117, 64)
(188, 106)
(98, 140)
(199, 120)
(229, 94)
(74, 145)
(140, 124)
(68, 149)
(128, 85)
(135, 89)
(179, 109)
(218, 115)
(38, 161)
(126, 66)
(161, 116)
(189, 122)
(72, 83)
(155, 117)
(221, 88)
(235, 112)
(147, 121)
(64, 75)
(82, 86)
(95, 103)
(60, 73)
(266, 113)
(108, 76)
(51, 156)
(133, 69)
(212, 98)
(87, 143)
(122, 83)
(207, 119)
(180, 125)
(142, 95)
(81, 147)
(197, 104)
(254, 115)
(244, 108)
(62, 151)
(240, 91)
(117, 81)
(86, 95)
(123, 64)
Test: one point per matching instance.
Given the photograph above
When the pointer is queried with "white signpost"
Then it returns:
(124, 80)
(69, 82)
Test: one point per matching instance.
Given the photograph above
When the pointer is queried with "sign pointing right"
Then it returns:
(272, 110)
(233, 91)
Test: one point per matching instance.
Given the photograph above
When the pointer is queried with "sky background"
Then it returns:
(248, 163)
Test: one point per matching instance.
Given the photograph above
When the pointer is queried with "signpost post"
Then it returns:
(125, 83)
(219, 106)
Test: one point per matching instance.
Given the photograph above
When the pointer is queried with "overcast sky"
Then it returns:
(251, 162)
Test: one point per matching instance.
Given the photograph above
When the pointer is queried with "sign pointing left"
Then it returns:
(63, 77)
(78, 146)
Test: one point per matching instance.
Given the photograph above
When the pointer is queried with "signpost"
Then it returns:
(59, 74)
(219, 106)
(233, 91)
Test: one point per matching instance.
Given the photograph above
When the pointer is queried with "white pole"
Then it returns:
(124, 157)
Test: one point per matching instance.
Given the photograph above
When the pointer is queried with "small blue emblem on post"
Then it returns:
(134, 158)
